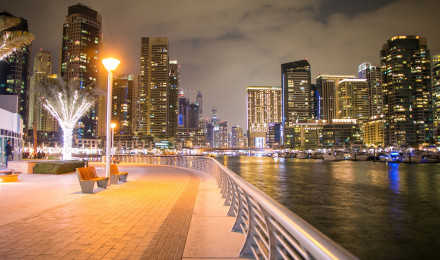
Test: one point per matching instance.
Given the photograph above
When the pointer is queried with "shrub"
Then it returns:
(57, 167)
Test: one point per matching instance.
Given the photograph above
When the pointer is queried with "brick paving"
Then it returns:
(145, 218)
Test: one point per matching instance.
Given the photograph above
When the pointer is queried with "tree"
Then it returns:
(67, 103)
(11, 41)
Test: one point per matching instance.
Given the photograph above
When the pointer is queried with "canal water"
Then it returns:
(374, 210)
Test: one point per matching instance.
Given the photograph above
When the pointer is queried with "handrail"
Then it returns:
(272, 231)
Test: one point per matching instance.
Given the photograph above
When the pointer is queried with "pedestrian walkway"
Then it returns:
(160, 213)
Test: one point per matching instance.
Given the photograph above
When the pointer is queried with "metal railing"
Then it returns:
(272, 231)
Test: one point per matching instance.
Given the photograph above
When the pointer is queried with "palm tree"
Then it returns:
(67, 103)
(11, 41)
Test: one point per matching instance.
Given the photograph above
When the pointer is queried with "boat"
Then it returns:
(359, 156)
(334, 156)
(302, 155)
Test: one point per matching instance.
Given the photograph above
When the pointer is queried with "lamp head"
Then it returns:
(112, 125)
(110, 63)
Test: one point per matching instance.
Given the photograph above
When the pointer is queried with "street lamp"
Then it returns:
(110, 64)
(113, 125)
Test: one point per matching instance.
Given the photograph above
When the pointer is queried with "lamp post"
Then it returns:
(113, 125)
(110, 64)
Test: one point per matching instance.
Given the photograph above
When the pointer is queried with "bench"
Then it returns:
(117, 176)
(87, 177)
(7, 176)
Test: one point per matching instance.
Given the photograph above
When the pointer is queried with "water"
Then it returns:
(374, 210)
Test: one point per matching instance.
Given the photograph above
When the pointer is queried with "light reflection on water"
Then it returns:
(375, 210)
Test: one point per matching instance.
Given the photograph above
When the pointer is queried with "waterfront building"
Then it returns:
(353, 100)
(154, 88)
(373, 76)
(237, 138)
(296, 92)
(274, 132)
(374, 132)
(305, 134)
(209, 135)
(406, 81)
(263, 107)
(11, 127)
(173, 90)
(183, 117)
(340, 134)
(316, 103)
(14, 73)
(190, 138)
(81, 45)
(124, 103)
(436, 96)
(328, 86)
(223, 134)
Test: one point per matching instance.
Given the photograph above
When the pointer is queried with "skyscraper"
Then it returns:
(199, 102)
(436, 95)
(373, 76)
(263, 107)
(328, 87)
(183, 117)
(14, 73)
(296, 91)
(193, 116)
(154, 89)
(353, 100)
(406, 81)
(173, 90)
(237, 137)
(124, 103)
(44, 121)
(82, 40)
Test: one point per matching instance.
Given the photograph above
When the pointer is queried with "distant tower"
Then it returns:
(173, 90)
(353, 100)
(193, 115)
(82, 40)
(154, 89)
(237, 137)
(199, 102)
(296, 91)
(14, 73)
(373, 76)
(406, 81)
(183, 118)
(328, 87)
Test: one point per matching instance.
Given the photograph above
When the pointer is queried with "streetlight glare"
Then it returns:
(110, 63)
(112, 125)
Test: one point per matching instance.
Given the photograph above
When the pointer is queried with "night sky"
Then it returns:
(225, 45)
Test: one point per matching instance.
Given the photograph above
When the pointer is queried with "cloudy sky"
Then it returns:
(225, 45)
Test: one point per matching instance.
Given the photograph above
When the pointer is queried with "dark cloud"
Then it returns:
(224, 46)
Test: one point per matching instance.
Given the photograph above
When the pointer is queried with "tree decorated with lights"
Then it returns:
(67, 103)
(11, 41)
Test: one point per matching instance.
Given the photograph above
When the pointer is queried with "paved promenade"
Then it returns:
(160, 213)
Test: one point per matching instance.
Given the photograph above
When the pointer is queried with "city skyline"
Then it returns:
(224, 47)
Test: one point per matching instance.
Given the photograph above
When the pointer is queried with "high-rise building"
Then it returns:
(193, 116)
(14, 73)
(353, 100)
(199, 102)
(316, 102)
(436, 95)
(223, 134)
(373, 76)
(296, 91)
(183, 117)
(263, 107)
(124, 103)
(172, 100)
(154, 89)
(42, 69)
(406, 81)
(237, 138)
(82, 40)
(328, 86)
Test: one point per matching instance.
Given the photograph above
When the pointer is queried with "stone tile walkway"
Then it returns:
(145, 218)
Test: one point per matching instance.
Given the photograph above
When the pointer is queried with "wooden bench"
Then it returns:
(87, 177)
(117, 176)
